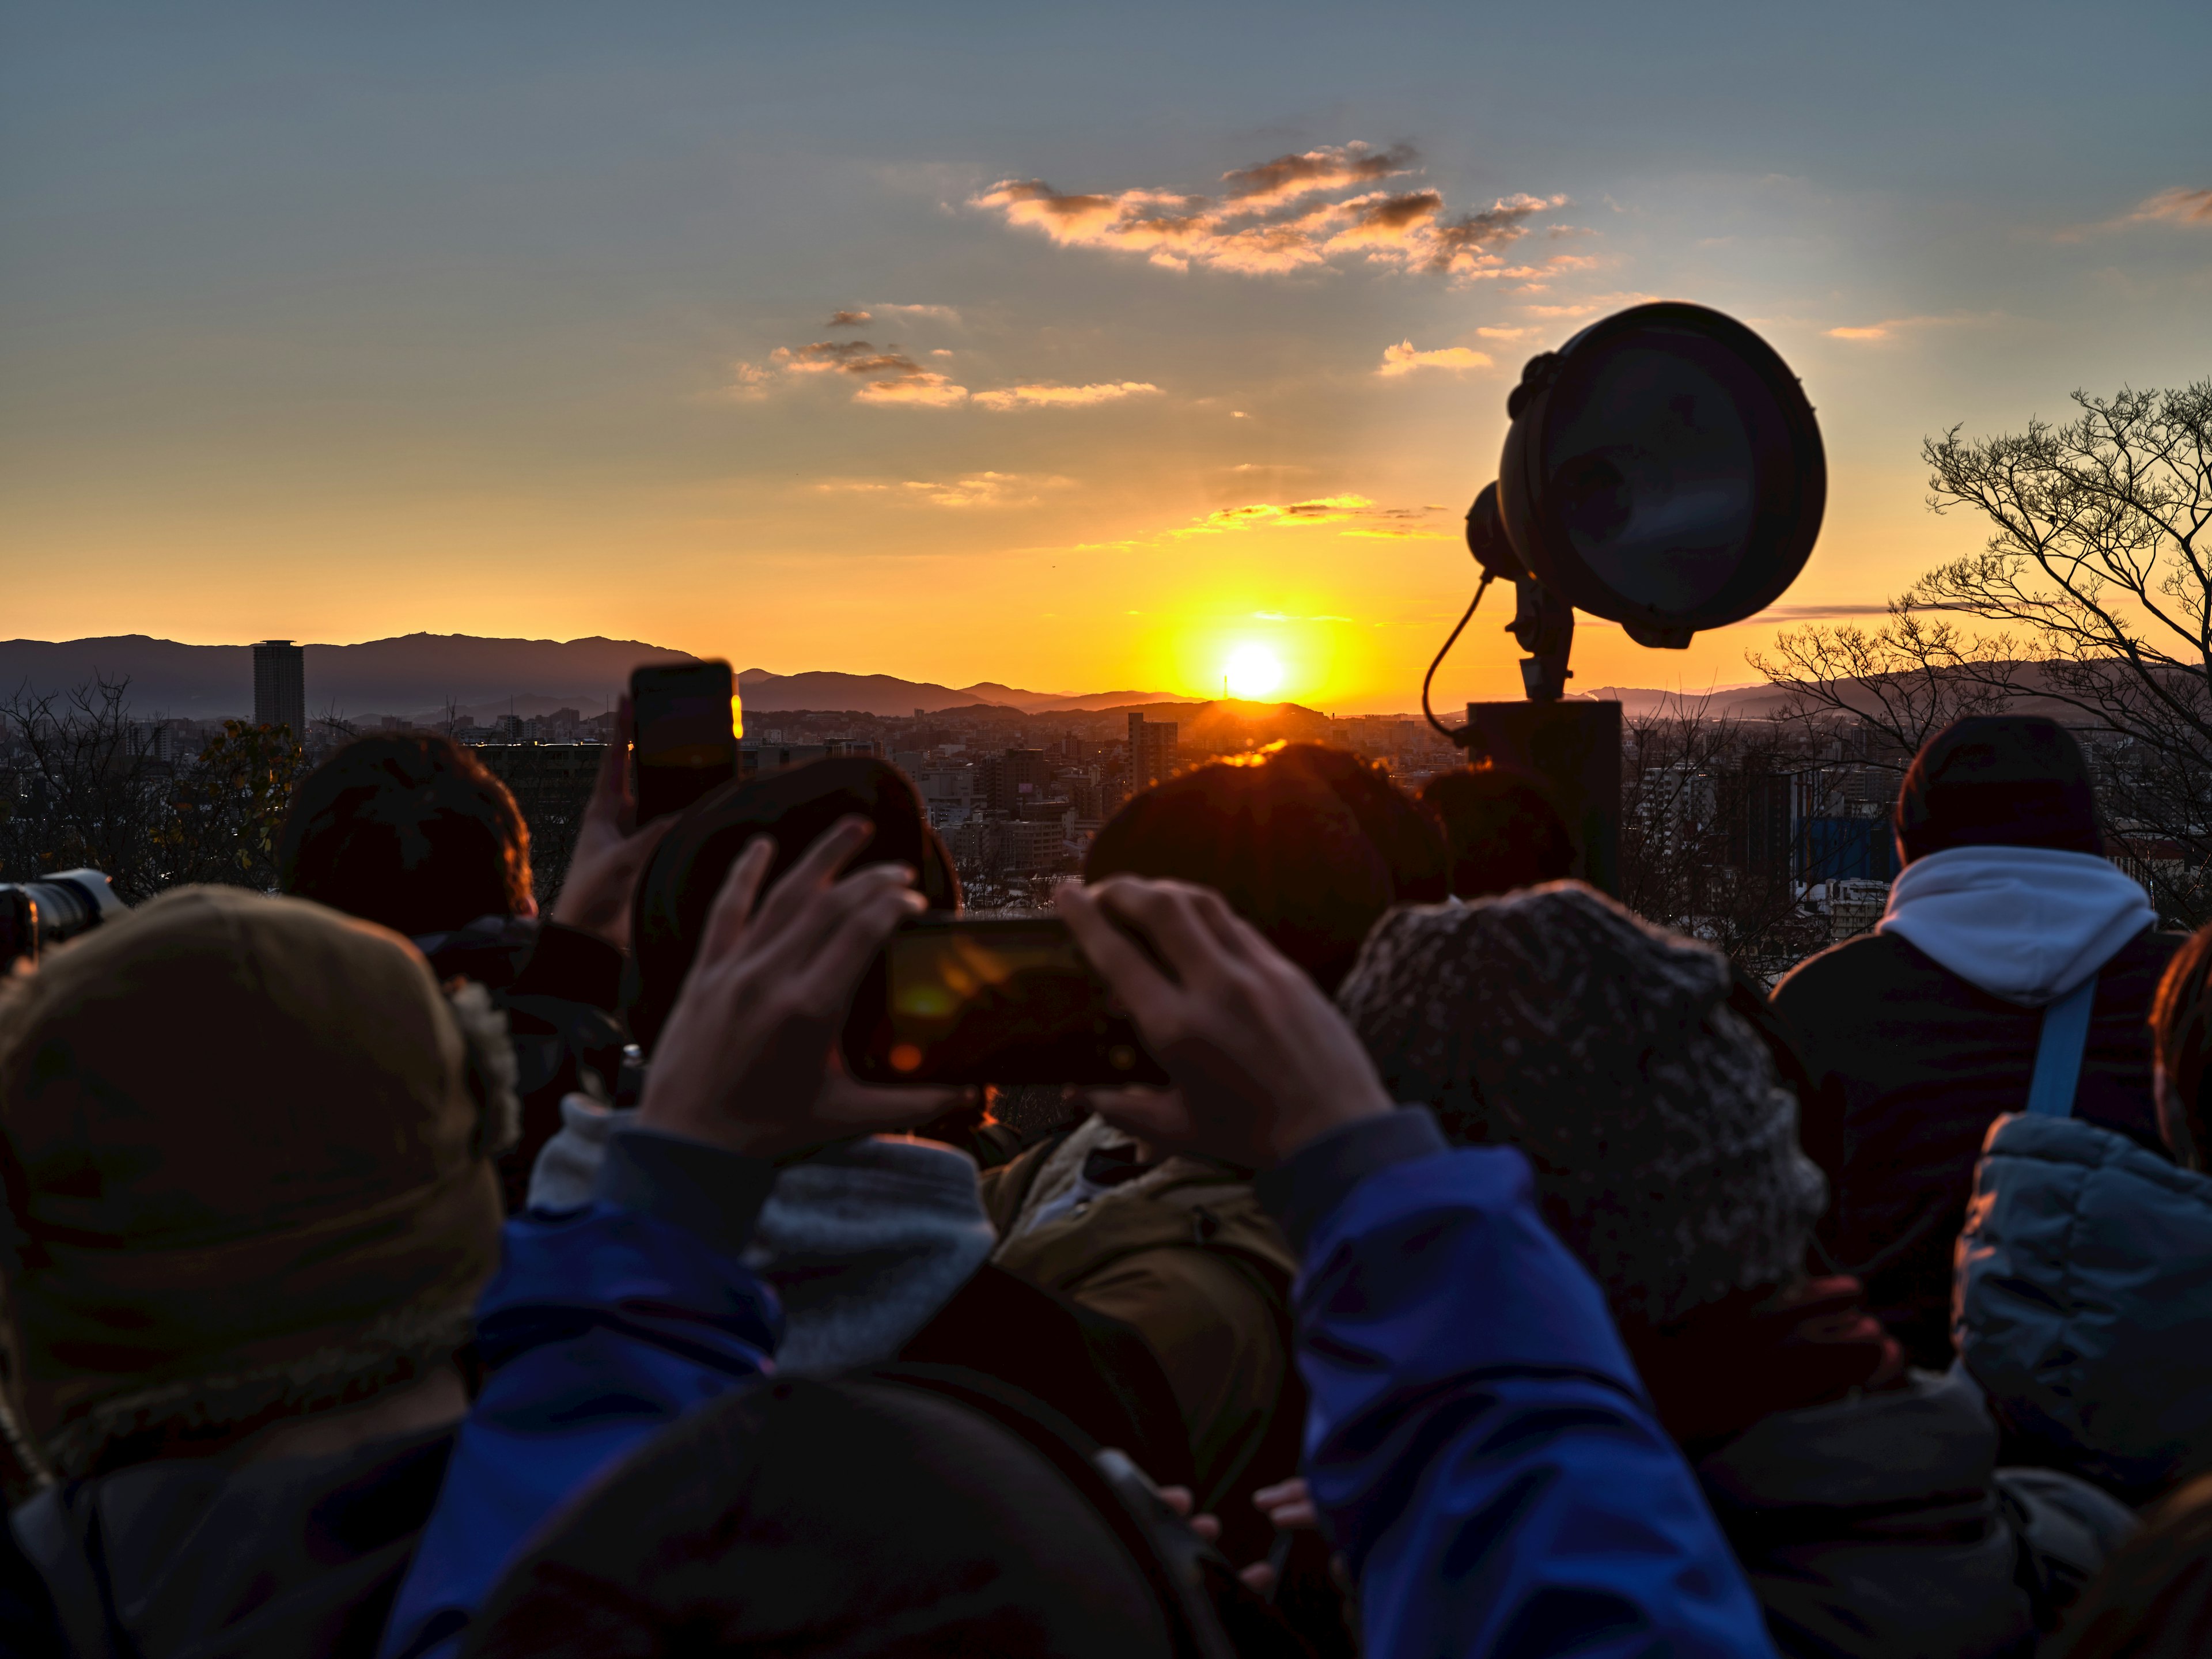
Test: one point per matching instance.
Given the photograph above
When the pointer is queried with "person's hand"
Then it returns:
(1261, 1060)
(1181, 1500)
(1288, 1505)
(746, 1058)
(610, 850)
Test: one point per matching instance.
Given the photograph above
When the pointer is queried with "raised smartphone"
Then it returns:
(687, 735)
(956, 1001)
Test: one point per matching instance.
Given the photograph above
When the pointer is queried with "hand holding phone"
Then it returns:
(1263, 1062)
(1002, 1001)
(686, 734)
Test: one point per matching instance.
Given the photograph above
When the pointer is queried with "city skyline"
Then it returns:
(1047, 356)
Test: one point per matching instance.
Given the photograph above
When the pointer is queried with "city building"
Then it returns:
(1007, 780)
(1151, 752)
(280, 686)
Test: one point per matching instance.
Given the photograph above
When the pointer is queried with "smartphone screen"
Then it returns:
(951, 1001)
(687, 739)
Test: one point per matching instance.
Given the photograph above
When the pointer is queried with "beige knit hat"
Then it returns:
(246, 1144)
(1665, 1149)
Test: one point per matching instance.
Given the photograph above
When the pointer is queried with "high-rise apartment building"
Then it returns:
(1151, 752)
(280, 686)
(1007, 780)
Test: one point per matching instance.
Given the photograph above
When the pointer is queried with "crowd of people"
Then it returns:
(391, 1271)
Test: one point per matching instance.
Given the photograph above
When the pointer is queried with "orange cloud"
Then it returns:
(1064, 397)
(1404, 358)
(1358, 511)
(920, 390)
(986, 489)
(2180, 206)
(1288, 176)
(1266, 224)
(849, 319)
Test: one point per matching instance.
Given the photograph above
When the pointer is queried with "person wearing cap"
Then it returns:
(1921, 1034)
(1863, 1498)
(249, 1149)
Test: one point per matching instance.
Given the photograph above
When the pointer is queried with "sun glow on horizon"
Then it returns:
(1253, 673)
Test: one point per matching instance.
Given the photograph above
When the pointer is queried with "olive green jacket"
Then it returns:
(1185, 1255)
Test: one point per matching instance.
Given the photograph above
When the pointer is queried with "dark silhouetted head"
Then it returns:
(1998, 780)
(854, 1519)
(1284, 836)
(1501, 829)
(408, 830)
(792, 808)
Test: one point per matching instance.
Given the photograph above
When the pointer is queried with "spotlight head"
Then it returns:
(1662, 471)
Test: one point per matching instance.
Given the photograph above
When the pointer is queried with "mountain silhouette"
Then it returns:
(416, 676)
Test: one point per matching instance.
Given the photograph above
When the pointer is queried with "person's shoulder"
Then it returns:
(1863, 963)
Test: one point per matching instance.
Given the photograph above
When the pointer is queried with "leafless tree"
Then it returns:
(81, 787)
(2097, 577)
(79, 784)
(1900, 682)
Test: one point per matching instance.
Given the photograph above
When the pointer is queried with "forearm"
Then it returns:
(604, 1324)
(1478, 1442)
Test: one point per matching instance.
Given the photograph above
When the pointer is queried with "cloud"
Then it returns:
(986, 489)
(1888, 327)
(2182, 207)
(842, 357)
(1273, 218)
(920, 390)
(935, 313)
(849, 319)
(1403, 358)
(2177, 206)
(1505, 333)
(1288, 176)
(1357, 511)
(895, 379)
(1045, 396)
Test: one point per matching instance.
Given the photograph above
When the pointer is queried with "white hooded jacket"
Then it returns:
(2025, 923)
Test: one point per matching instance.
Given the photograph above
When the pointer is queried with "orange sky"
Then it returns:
(674, 331)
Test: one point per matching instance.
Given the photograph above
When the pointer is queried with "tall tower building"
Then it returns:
(280, 686)
(1151, 752)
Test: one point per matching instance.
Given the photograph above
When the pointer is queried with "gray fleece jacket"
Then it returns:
(862, 1241)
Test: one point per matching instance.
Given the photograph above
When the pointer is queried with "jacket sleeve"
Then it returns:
(603, 1325)
(1478, 1442)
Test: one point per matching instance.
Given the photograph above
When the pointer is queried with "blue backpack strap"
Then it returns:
(2058, 1051)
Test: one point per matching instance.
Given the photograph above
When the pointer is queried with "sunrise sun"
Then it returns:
(1253, 673)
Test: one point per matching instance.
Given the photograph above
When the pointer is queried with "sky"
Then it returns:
(1076, 348)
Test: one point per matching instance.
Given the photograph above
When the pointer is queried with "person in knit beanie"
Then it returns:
(1665, 1149)
(248, 1148)
(1665, 1156)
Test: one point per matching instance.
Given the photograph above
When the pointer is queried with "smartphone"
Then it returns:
(950, 1000)
(687, 734)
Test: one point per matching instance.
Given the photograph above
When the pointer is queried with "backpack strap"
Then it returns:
(2058, 1051)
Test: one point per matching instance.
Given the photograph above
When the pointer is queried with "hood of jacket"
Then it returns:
(2082, 1298)
(199, 1559)
(862, 1241)
(2025, 923)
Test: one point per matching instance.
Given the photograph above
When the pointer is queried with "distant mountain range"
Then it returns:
(418, 675)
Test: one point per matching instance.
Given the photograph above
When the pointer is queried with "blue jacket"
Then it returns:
(1477, 1439)
(603, 1326)
(2082, 1299)
(1478, 1442)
